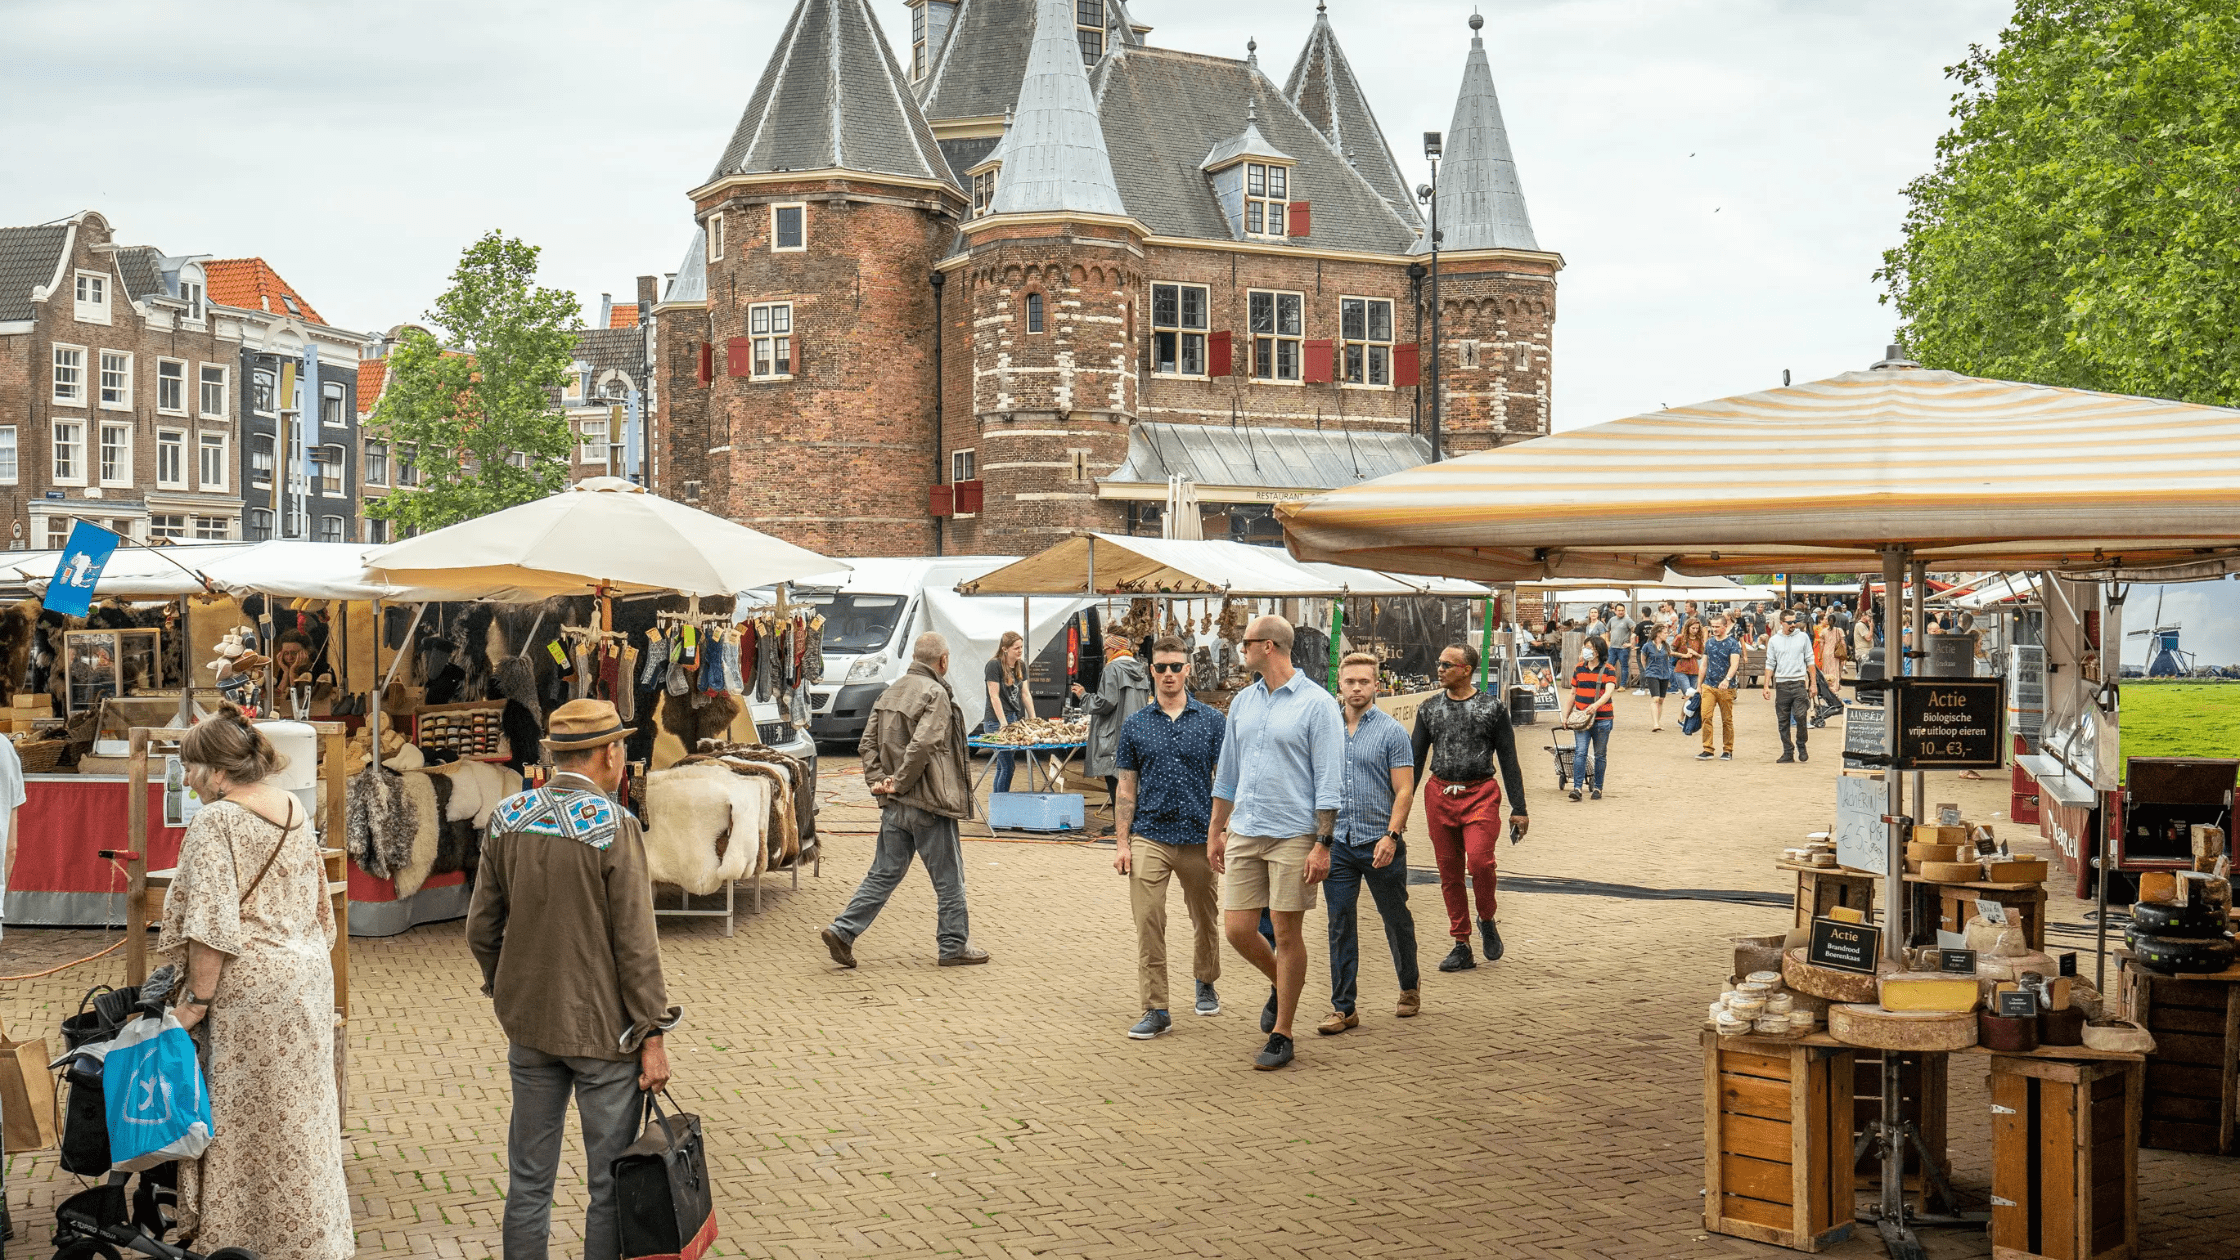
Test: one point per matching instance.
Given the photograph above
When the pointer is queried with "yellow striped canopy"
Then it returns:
(1974, 474)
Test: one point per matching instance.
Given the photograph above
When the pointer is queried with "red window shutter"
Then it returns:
(738, 357)
(969, 496)
(1407, 369)
(1219, 357)
(794, 344)
(1299, 219)
(1316, 369)
(942, 500)
(707, 363)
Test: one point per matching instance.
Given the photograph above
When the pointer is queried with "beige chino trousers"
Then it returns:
(1152, 865)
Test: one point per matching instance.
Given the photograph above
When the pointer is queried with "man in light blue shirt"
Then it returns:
(1276, 792)
(1380, 788)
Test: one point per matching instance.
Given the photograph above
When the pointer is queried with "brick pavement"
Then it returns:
(1545, 1106)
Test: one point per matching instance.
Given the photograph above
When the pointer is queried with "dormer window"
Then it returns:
(983, 190)
(191, 292)
(1088, 20)
(1267, 198)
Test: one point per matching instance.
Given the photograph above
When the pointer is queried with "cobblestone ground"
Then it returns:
(1545, 1106)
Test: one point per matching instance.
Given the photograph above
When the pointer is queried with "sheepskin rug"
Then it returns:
(426, 834)
(707, 826)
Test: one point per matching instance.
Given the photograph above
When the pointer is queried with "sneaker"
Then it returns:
(1727, 755)
(1784, 759)
(1268, 1012)
(1338, 1022)
(1458, 958)
(1802, 755)
(1596, 794)
(841, 948)
(1817, 723)
(1209, 1003)
(1274, 1055)
(1410, 1004)
(1705, 755)
(1491, 931)
(1574, 794)
(969, 956)
(1153, 1023)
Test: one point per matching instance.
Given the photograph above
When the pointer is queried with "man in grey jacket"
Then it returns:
(914, 760)
(1122, 689)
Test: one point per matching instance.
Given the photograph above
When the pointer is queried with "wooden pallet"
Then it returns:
(2064, 1159)
(2193, 1077)
(1777, 1141)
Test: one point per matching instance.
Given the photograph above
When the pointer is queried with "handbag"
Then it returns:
(1578, 719)
(664, 1203)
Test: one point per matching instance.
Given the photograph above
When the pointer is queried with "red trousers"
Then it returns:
(1465, 829)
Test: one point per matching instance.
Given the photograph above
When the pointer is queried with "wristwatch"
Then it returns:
(189, 999)
(1324, 841)
(1394, 835)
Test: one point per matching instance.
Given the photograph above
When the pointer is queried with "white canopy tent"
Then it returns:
(1119, 565)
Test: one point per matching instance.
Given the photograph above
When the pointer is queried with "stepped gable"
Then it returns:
(833, 97)
(1481, 204)
(1323, 87)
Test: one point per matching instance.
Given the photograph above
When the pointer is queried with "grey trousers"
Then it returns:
(607, 1101)
(905, 830)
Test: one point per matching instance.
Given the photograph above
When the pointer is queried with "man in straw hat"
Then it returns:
(562, 924)
(913, 758)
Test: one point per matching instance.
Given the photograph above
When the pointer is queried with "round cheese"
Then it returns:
(1951, 872)
(1864, 1024)
(1919, 852)
(1829, 983)
(2011, 966)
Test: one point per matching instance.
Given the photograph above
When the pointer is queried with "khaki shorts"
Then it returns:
(1267, 873)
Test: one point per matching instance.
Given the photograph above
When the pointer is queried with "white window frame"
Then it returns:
(407, 470)
(203, 445)
(94, 309)
(167, 529)
(11, 455)
(197, 298)
(341, 529)
(1272, 203)
(775, 207)
(121, 478)
(123, 400)
(1186, 335)
(70, 393)
(176, 439)
(58, 532)
(1036, 314)
(591, 440)
(266, 445)
(179, 408)
(984, 190)
(257, 518)
(212, 528)
(377, 530)
(1267, 348)
(1466, 353)
(1368, 345)
(375, 458)
(69, 436)
(259, 374)
(715, 237)
(202, 389)
(333, 392)
(1077, 464)
(964, 465)
(770, 346)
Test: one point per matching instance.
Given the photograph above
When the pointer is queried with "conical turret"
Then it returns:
(1481, 204)
(1054, 155)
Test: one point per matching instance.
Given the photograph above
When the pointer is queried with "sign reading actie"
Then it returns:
(1950, 724)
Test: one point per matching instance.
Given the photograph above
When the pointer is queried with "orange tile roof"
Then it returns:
(371, 374)
(252, 284)
(624, 315)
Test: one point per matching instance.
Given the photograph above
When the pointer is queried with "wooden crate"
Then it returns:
(1957, 905)
(1923, 1081)
(2193, 1076)
(2064, 1159)
(1776, 1127)
(1819, 888)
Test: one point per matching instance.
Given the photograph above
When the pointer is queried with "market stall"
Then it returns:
(1906, 470)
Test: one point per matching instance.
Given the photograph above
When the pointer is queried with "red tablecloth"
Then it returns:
(60, 877)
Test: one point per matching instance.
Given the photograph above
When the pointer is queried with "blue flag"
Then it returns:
(70, 594)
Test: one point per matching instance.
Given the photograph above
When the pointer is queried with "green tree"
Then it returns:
(2082, 225)
(480, 418)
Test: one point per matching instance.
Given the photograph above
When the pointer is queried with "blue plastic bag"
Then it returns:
(159, 1108)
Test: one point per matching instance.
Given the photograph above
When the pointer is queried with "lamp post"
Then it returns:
(1433, 147)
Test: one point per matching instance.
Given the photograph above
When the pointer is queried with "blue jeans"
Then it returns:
(1599, 736)
(1684, 685)
(1350, 867)
(1005, 762)
(1623, 659)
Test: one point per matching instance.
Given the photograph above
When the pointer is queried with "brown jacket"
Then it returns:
(916, 734)
(562, 923)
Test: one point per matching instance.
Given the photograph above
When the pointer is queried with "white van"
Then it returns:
(880, 605)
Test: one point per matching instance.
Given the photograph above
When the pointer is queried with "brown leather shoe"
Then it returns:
(1411, 1004)
(841, 948)
(1338, 1022)
(969, 956)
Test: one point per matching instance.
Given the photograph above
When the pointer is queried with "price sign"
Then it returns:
(1958, 961)
(1863, 736)
(1844, 946)
(1950, 724)
(2018, 1004)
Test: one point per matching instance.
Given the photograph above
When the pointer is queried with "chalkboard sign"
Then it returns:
(1844, 946)
(1864, 728)
(2018, 1004)
(2068, 963)
(1958, 961)
(1950, 724)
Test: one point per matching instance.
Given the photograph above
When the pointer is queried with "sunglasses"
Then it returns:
(1169, 667)
(1250, 642)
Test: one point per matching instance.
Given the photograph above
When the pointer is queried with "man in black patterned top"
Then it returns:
(1460, 737)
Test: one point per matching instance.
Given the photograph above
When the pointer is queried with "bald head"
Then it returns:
(930, 650)
(1272, 628)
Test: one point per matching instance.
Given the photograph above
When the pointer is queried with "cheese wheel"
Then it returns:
(1918, 852)
(2011, 966)
(1951, 872)
(1829, 983)
(1864, 1024)
(1927, 991)
(2061, 1028)
(2016, 871)
(2003, 1032)
(1770, 979)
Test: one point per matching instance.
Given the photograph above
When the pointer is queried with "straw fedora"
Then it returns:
(581, 724)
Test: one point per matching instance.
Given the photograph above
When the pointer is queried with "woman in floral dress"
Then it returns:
(250, 911)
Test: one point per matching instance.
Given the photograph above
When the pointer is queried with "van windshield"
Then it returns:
(855, 623)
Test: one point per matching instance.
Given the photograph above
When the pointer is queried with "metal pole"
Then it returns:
(1435, 384)
(1337, 627)
(1893, 1208)
(1918, 574)
(1485, 645)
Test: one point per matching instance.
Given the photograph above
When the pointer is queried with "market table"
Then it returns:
(60, 878)
(1052, 778)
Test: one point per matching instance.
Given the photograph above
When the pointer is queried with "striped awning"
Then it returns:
(1974, 474)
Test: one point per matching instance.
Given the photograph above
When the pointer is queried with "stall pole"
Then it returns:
(1890, 1218)
(1337, 627)
(136, 861)
(1918, 575)
(1485, 646)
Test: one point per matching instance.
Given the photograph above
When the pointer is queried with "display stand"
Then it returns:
(2193, 1077)
(1955, 905)
(2064, 1158)
(1777, 1139)
(1821, 887)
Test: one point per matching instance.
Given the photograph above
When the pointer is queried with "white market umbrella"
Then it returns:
(603, 532)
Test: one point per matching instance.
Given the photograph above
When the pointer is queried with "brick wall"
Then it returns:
(1498, 390)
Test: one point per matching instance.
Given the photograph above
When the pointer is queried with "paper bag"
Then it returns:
(26, 1094)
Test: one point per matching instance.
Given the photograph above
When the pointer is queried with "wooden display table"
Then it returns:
(1956, 904)
(1777, 1141)
(1819, 887)
(2064, 1157)
(2193, 1076)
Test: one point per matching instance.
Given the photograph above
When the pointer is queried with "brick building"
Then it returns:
(611, 374)
(1010, 293)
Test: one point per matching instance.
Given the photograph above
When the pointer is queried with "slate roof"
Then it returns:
(833, 96)
(1481, 204)
(251, 284)
(1323, 86)
(28, 257)
(979, 66)
(1054, 154)
(965, 154)
(602, 348)
(1249, 455)
(140, 267)
(690, 283)
(1164, 111)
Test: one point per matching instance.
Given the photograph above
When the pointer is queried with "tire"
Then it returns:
(2175, 955)
(2156, 918)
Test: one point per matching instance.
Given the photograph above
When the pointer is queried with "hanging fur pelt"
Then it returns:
(17, 627)
(698, 716)
(378, 822)
(707, 826)
(427, 830)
